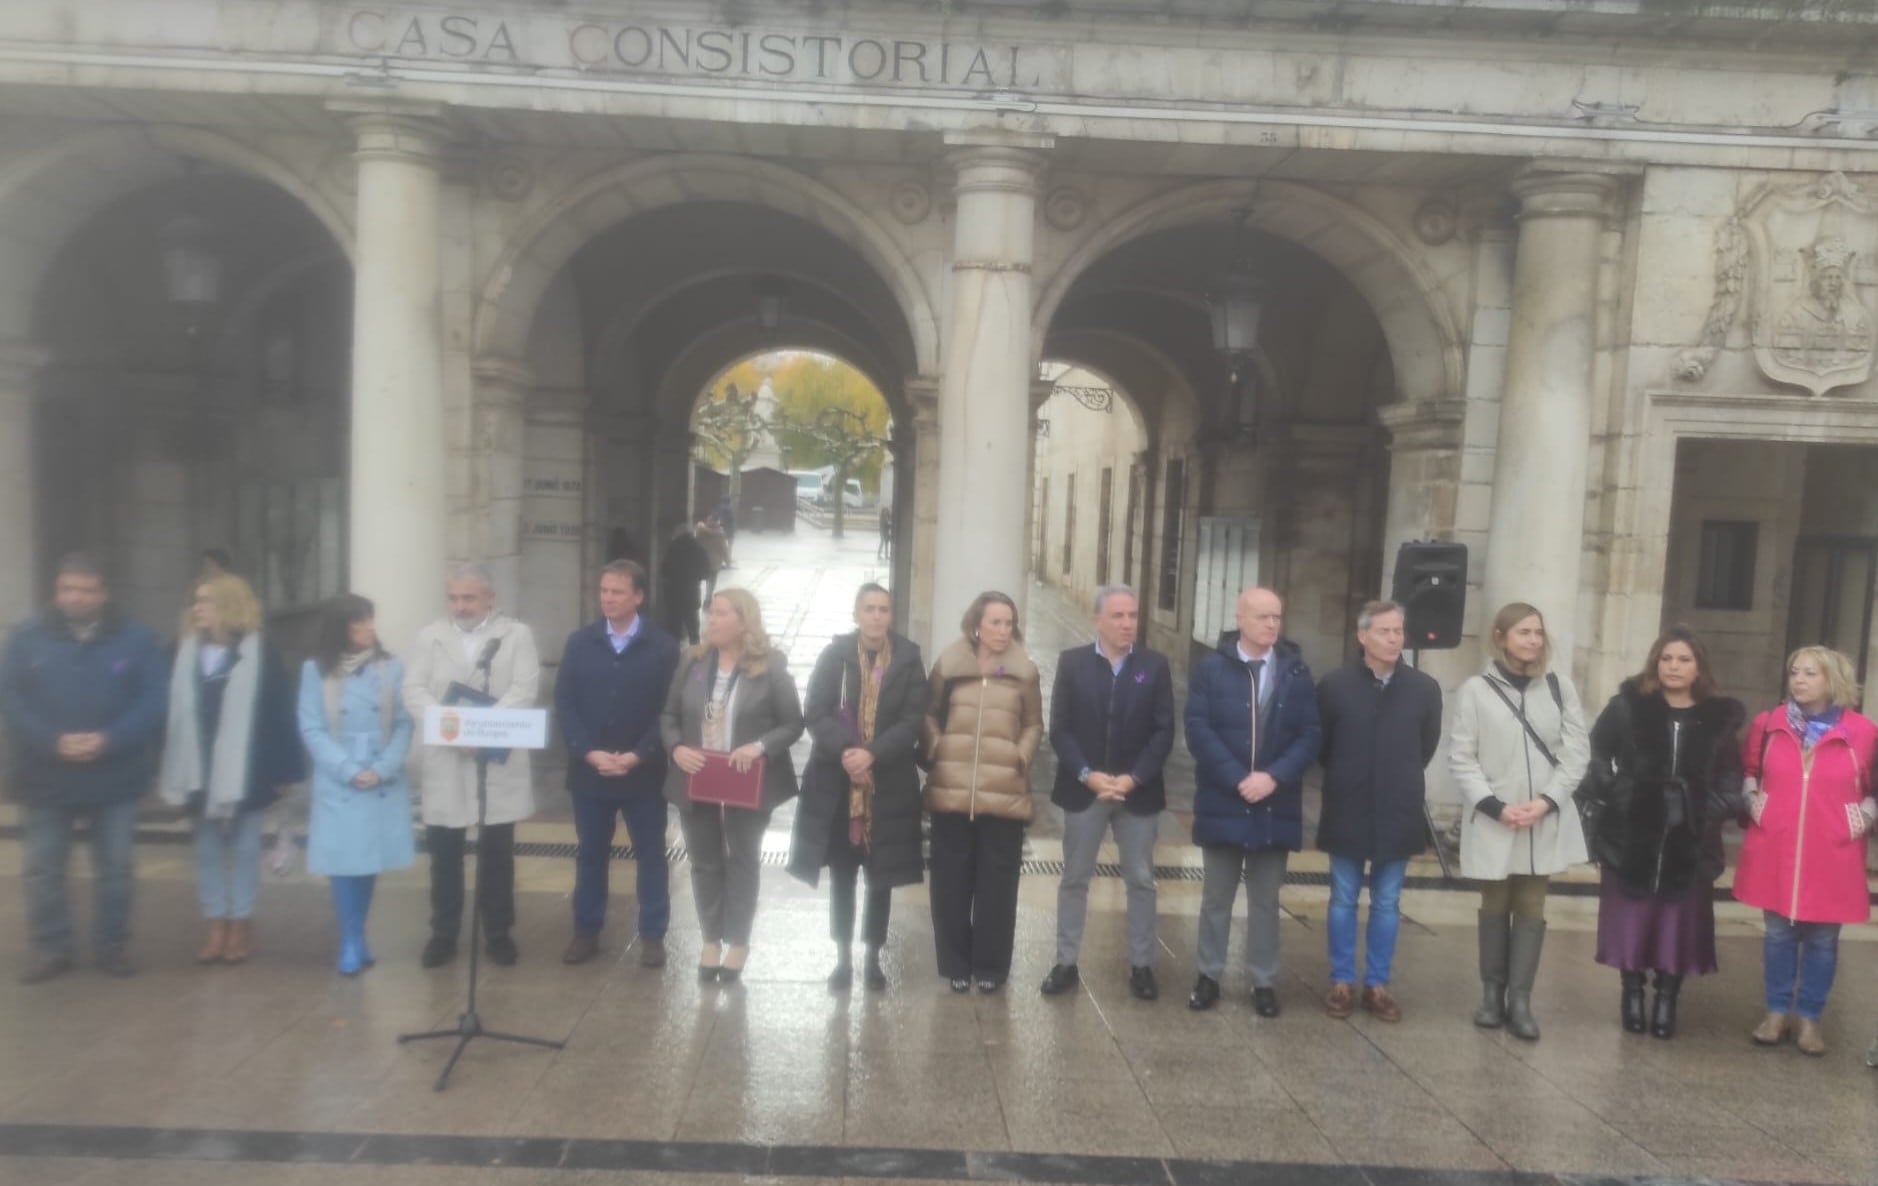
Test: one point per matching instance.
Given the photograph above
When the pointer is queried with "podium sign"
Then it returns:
(486, 728)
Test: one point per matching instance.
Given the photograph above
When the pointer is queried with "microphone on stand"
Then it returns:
(489, 655)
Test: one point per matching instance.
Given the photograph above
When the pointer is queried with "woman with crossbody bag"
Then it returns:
(1518, 751)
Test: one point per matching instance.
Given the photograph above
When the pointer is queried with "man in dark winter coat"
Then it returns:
(682, 572)
(84, 693)
(1112, 726)
(607, 698)
(1253, 732)
(1382, 722)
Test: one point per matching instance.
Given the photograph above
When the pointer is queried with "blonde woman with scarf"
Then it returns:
(358, 733)
(860, 806)
(233, 747)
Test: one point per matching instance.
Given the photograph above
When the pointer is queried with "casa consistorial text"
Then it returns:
(680, 49)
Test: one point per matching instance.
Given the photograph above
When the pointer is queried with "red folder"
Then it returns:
(719, 782)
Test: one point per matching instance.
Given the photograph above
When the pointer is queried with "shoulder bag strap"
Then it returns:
(1545, 751)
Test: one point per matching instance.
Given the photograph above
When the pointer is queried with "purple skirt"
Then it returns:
(1673, 935)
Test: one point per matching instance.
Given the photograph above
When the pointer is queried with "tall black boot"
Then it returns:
(1636, 1020)
(1663, 1020)
(1494, 936)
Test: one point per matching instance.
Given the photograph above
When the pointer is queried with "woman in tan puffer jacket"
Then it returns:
(983, 727)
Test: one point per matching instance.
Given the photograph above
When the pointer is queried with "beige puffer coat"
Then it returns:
(982, 733)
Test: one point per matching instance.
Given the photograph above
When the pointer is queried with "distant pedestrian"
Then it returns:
(233, 748)
(683, 569)
(716, 552)
(82, 692)
(885, 550)
(726, 516)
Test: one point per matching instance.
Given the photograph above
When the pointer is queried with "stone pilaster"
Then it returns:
(498, 452)
(984, 421)
(1536, 528)
(19, 511)
(923, 394)
(399, 505)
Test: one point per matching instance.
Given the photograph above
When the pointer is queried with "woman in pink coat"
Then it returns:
(1803, 861)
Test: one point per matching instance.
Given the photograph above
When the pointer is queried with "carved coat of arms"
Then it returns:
(1800, 253)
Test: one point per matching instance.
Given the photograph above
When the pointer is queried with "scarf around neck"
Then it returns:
(225, 784)
(334, 683)
(1811, 727)
(873, 669)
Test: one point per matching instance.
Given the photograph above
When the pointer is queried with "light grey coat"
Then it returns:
(1491, 755)
(447, 776)
(765, 708)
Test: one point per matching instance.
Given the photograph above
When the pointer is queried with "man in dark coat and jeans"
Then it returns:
(1382, 722)
(85, 695)
(1253, 732)
(607, 698)
(1112, 726)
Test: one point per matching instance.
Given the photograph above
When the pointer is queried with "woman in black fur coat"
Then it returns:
(1665, 775)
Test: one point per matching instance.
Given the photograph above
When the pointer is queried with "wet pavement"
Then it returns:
(279, 1072)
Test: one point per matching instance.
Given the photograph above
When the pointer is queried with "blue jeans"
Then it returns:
(1806, 952)
(1385, 917)
(228, 865)
(113, 871)
(594, 820)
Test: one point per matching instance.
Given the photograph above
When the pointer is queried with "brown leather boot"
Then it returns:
(1810, 1039)
(1772, 1030)
(215, 944)
(240, 941)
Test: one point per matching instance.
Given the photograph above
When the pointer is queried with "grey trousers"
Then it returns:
(1264, 873)
(726, 848)
(1082, 837)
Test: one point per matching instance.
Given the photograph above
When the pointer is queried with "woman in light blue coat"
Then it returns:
(358, 732)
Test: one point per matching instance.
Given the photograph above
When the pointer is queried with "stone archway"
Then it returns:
(558, 227)
(47, 198)
(1394, 279)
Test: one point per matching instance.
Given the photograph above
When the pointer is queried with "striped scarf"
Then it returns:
(873, 669)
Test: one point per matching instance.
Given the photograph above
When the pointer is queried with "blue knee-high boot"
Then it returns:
(367, 883)
(346, 907)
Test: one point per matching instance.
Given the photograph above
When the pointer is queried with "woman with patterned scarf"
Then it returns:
(1808, 762)
(860, 805)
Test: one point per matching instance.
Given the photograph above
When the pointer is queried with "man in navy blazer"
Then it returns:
(607, 697)
(1112, 726)
(1253, 730)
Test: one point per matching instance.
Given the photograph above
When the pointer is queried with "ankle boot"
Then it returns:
(240, 941)
(843, 976)
(871, 973)
(1493, 961)
(1528, 940)
(215, 943)
(1636, 1020)
(1663, 1019)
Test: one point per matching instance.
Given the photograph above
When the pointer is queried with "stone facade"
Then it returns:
(1565, 298)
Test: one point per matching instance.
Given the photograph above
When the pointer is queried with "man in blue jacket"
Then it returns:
(84, 693)
(1112, 726)
(1253, 731)
(607, 698)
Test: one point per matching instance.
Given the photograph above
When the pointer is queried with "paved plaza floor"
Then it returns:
(280, 1072)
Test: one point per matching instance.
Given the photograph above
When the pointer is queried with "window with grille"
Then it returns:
(1725, 565)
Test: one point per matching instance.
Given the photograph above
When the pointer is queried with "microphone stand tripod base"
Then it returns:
(469, 1023)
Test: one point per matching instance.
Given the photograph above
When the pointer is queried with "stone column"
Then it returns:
(984, 406)
(1536, 529)
(497, 456)
(19, 504)
(399, 506)
(922, 508)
